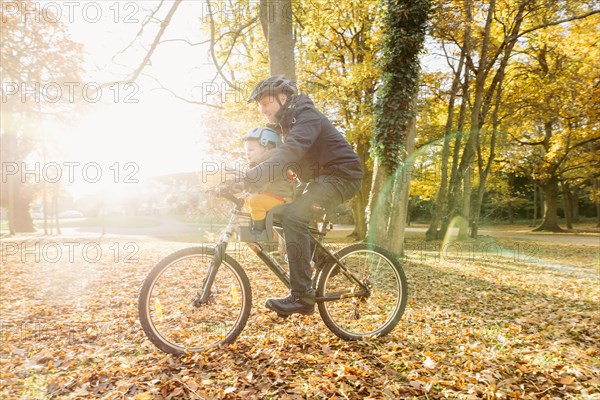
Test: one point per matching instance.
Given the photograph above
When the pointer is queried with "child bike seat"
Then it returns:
(247, 235)
(273, 220)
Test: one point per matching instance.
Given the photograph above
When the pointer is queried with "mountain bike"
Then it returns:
(200, 297)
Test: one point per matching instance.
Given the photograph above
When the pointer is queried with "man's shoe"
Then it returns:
(293, 304)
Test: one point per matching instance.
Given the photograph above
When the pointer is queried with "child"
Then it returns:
(259, 144)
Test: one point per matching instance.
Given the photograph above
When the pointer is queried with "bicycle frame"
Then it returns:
(274, 266)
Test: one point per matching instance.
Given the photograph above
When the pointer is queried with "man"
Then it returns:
(322, 157)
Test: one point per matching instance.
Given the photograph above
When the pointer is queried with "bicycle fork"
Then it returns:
(217, 260)
(215, 263)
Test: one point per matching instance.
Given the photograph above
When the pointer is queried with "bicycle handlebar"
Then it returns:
(226, 194)
(229, 196)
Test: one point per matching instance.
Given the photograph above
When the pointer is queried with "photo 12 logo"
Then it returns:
(67, 332)
(219, 93)
(69, 92)
(227, 11)
(69, 171)
(71, 252)
(72, 11)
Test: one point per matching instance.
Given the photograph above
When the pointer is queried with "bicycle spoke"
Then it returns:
(363, 315)
(169, 313)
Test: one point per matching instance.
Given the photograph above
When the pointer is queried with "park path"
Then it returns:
(169, 226)
(521, 232)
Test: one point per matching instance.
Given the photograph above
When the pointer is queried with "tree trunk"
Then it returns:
(466, 201)
(493, 98)
(466, 164)
(566, 195)
(441, 204)
(55, 194)
(362, 198)
(379, 206)
(597, 194)
(45, 207)
(541, 200)
(11, 204)
(276, 20)
(21, 218)
(477, 207)
(18, 196)
(277, 17)
(404, 26)
(535, 205)
(575, 205)
(403, 178)
(550, 219)
(469, 154)
(454, 190)
(455, 179)
(484, 172)
(409, 210)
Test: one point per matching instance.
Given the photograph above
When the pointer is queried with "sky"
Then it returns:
(142, 123)
(139, 125)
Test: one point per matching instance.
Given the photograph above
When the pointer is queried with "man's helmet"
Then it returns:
(272, 86)
(264, 135)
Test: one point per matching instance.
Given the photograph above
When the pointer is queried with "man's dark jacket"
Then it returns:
(311, 146)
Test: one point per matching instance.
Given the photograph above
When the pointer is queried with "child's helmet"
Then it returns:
(264, 135)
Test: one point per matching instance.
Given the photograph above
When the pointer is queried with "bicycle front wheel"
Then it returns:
(168, 309)
(346, 309)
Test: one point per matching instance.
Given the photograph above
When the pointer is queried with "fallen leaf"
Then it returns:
(230, 389)
(566, 380)
(429, 363)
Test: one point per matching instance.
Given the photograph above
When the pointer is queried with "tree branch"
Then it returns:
(583, 142)
(211, 50)
(163, 27)
(141, 31)
(560, 21)
(189, 101)
(185, 41)
(526, 143)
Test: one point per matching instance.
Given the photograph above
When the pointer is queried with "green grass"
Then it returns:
(34, 386)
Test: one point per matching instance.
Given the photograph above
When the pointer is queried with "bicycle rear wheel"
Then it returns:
(354, 316)
(167, 307)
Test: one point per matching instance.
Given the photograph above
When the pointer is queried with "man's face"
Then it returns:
(268, 106)
(253, 150)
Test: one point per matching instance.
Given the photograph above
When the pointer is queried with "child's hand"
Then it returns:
(234, 185)
(291, 175)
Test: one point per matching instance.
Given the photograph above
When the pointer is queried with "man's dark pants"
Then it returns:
(323, 192)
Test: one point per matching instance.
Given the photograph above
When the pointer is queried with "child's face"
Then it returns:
(253, 150)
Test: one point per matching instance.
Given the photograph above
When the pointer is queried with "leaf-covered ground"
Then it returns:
(501, 320)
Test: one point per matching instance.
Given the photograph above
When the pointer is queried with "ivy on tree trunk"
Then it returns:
(404, 26)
